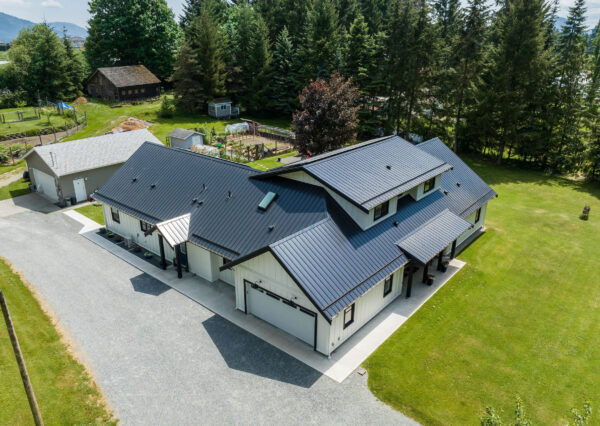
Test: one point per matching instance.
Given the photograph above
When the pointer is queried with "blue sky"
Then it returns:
(75, 11)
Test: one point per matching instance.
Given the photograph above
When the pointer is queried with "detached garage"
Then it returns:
(71, 171)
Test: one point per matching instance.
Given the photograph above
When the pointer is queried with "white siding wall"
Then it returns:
(478, 225)
(202, 262)
(266, 271)
(365, 308)
(418, 192)
(129, 227)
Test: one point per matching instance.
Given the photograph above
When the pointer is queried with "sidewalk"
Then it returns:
(219, 297)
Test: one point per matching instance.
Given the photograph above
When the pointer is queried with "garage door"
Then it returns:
(45, 183)
(280, 312)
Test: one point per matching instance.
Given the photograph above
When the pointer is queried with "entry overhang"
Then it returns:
(175, 230)
(432, 237)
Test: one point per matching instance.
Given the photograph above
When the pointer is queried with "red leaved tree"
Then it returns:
(327, 118)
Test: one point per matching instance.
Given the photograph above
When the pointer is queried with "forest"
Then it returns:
(500, 78)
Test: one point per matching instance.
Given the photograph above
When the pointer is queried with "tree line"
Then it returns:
(494, 77)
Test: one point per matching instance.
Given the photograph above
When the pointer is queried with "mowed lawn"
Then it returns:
(53, 120)
(522, 317)
(14, 189)
(64, 391)
(93, 212)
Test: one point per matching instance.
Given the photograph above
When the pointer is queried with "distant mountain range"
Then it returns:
(11, 25)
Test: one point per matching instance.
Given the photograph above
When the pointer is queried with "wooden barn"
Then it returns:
(128, 83)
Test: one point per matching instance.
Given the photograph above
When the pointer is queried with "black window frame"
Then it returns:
(349, 309)
(381, 210)
(114, 213)
(478, 215)
(389, 280)
(145, 226)
(429, 182)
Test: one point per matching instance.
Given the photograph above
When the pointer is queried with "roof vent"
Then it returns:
(271, 227)
(134, 179)
(445, 192)
(229, 194)
(267, 200)
(458, 184)
(388, 167)
(396, 223)
(153, 186)
(204, 187)
(194, 200)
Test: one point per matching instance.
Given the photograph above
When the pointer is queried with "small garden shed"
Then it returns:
(222, 108)
(183, 138)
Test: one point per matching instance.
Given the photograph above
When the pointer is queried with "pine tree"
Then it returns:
(259, 69)
(75, 72)
(593, 111)
(284, 97)
(200, 70)
(374, 12)
(348, 11)
(193, 8)
(359, 47)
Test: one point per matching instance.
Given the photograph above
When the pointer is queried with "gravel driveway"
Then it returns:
(161, 358)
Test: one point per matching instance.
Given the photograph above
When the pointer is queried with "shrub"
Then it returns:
(167, 108)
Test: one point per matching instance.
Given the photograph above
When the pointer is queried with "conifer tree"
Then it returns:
(75, 70)
(284, 97)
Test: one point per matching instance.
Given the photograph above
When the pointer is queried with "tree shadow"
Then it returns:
(144, 283)
(245, 352)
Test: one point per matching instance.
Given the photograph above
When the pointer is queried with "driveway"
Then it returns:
(161, 358)
(27, 203)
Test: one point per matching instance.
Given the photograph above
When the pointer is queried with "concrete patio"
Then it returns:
(219, 298)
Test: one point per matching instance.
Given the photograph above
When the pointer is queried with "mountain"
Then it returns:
(11, 25)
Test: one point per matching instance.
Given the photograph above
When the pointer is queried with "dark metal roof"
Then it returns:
(129, 76)
(428, 240)
(332, 260)
(183, 133)
(370, 173)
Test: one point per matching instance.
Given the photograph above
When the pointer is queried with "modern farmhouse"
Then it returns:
(316, 248)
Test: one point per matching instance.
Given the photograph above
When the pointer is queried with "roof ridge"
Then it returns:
(106, 136)
(210, 157)
(349, 148)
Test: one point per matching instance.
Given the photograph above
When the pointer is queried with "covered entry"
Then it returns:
(282, 313)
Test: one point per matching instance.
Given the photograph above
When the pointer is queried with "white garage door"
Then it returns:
(278, 311)
(45, 183)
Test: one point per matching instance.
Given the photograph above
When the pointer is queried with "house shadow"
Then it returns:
(245, 352)
(33, 201)
(144, 283)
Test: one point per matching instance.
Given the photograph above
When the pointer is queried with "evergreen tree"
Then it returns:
(593, 111)
(447, 12)
(571, 58)
(348, 11)
(359, 47)
(128, 32)
(76, 70)
(284, 97)
(200, 70)
(374, 12)
(258, 70)
(193, 8)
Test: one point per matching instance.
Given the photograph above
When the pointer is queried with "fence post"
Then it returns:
(12, 159)
(35, 410)
(40, 136)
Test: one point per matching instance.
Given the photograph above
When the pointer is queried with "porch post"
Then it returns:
(425, 271)
(440, 256)
(178, 260)
(453, 251)
(411, 272)
(161, 244)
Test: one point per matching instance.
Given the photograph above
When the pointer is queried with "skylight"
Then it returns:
(267, 200)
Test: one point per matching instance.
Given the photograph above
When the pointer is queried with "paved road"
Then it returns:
(161, 358)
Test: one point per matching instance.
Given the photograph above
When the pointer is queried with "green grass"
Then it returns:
(270, 162)
(10, 167)
(102, 118)
(93, 212)
(63, 389)
(23, 126)
(14, 189)
(522, 317)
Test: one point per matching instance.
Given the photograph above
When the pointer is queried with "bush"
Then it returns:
(167, 108)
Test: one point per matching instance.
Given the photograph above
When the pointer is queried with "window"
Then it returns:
(143, 90)
(478, 215)
(223, 107)
(387, 285)
(136, 91)
(348, 315)
(381, 210)
(115, 215)
(145, 226)
(129, 92)
(429, 185)
(123, 92)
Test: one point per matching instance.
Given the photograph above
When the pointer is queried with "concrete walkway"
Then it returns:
(219, 297)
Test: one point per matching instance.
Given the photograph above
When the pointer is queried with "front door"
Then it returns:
(79, 185)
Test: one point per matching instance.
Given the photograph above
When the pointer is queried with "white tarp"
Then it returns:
(237, 128)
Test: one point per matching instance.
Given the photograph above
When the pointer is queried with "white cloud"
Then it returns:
(51, 3)
(20, 3)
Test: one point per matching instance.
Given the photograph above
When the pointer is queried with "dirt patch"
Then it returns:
(132, 123)
(69, 343)
(80, 100)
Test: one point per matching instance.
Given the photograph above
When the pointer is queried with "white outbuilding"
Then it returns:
(183, 138)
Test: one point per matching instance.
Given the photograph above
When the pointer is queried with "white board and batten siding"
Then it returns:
(365, 308)
(129, 227)
(476, 225)
(265, 271)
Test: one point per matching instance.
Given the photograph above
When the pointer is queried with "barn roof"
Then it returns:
(372, 172)
(129, 76)
(325, 252)
(91, 153)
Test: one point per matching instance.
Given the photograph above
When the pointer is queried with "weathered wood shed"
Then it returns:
(126, 83)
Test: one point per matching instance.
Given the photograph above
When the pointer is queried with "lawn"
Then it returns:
(93, 212)
(63, 389)
(14, 189)
(522, 317)
(269, 162)
(102, 117)
(53, 120)
(10, 167)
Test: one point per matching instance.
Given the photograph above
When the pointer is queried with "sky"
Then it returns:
(75, 11)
